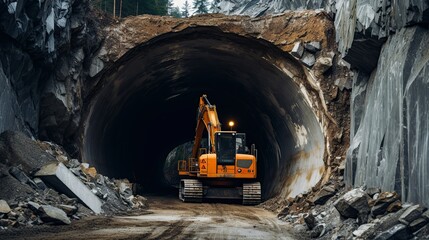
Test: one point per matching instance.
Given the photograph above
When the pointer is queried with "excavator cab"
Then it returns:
(226, 149)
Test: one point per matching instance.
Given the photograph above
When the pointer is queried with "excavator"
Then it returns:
(225, 169)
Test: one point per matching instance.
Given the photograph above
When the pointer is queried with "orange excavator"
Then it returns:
(226, 169)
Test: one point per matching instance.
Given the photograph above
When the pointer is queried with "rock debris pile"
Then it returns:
(40, 183)
(361, 213)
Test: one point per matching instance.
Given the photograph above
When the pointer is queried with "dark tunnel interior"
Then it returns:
(145, 106)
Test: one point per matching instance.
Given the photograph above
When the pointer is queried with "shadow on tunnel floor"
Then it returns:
(172, 193)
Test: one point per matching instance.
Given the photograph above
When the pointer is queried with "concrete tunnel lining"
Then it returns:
(144, 106)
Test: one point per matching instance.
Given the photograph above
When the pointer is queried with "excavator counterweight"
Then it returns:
(226, 169)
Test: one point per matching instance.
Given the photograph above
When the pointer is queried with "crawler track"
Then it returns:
(191, 190)
(251, 193)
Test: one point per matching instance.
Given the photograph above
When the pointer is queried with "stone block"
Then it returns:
(52, 214)
(297, 50)
(399, 231)
(308, 59)
(64, 181)
(411, 214)
(353, 204)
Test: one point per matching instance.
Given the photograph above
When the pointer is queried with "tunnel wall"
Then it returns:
(320, 89)
(274, 111)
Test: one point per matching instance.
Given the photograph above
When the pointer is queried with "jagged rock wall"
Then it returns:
(256, 8)
(390, 136)
(389, 121)
(362, 26)
(44, 47)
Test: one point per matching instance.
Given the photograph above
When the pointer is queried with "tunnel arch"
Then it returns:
(144, 106)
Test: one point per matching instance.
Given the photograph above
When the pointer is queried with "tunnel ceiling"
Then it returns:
(145, 106)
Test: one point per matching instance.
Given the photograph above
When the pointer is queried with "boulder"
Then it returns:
(411, 214)
(53, 215)
(297, 50)
(4, 207)
(308, 59)
(354, 204)
(399, 231)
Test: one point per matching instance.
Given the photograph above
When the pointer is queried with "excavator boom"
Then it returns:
(206, 119)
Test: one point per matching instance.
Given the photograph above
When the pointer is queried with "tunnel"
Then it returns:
(144, 106)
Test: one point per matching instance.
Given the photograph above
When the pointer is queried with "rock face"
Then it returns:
(268, 7)
(373, 22)
(43, 47)
(395, 156)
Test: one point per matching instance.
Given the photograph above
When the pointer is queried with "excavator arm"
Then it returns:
(206, 119)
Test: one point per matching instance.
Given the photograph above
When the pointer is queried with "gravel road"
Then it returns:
(169, 218)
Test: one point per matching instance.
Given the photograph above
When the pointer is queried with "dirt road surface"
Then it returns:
(169, 218)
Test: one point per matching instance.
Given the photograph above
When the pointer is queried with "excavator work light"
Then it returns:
(231, 124)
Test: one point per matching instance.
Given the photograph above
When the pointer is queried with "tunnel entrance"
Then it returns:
(145, 104)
